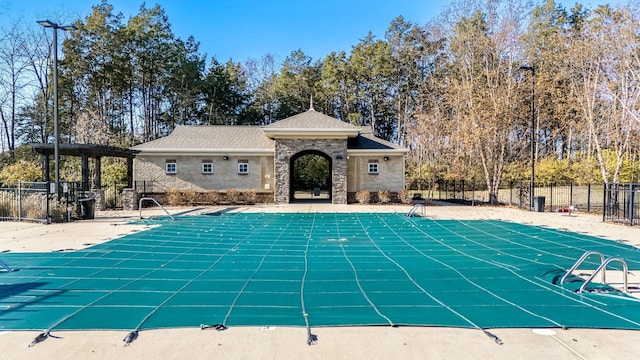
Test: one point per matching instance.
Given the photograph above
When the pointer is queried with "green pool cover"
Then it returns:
(315, 269)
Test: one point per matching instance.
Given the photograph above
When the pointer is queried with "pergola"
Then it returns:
(86, 151)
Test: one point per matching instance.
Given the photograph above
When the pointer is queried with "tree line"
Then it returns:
(457, 91)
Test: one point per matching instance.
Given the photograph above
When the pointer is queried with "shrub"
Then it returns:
(249, 196)
(363, 197)
(173, 197)
(404, 196)
(21, 170)
(233, 195)
(384, 196)
(189, 198)
(212, 197)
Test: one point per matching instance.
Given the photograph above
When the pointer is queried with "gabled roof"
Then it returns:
(213, 138)
(227, 139)
(367, 141)
(310, 124)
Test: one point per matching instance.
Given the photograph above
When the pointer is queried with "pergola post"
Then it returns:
(97, 178)
(85, 172)
(45, 167)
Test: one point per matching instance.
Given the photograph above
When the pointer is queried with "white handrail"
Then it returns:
(155, 201)
(603, 268)
(414, 209)
(5, 266)
(580, 261)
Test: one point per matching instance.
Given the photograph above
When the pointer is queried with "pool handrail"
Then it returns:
(5, 266)
(155, 201)
(580, 261)
(415, 208)
(603, 268)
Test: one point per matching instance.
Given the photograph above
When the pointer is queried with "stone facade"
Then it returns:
(129, 199)
(269, 152)
(336, 149)
(390, 174)
(101, 203)
(189, 175)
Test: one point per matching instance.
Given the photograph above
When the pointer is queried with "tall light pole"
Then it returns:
(56, 135)
(533, 132)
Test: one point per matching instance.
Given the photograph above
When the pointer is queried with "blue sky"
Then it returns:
(242, 29)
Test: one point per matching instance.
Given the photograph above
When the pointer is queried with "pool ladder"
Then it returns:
(4, 265)
(155, 201)
(414, 209)
(602, 268)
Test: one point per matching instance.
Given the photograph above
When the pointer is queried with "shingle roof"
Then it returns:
(367, 141)
(211, 138)
(311, 119)
(252, 138)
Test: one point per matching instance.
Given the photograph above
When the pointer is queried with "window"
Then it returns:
(373, 166)
(243, 167)
(207, 167)
(171, 167)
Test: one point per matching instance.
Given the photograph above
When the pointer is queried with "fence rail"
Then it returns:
(37, 201)
(622, 203)
(617, 202)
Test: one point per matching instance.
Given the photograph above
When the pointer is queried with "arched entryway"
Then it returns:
(310, 177)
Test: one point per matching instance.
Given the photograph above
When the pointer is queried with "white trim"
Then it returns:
(207, 152)
(369, 168)
(371, 152)
(207, 172)
(243, 164)
(309, 132)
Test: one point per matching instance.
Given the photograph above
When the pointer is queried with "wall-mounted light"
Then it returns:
(339, 157)
(225, 158)
(282, 157)
(386, 158)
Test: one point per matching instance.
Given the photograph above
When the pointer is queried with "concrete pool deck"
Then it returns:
(334, 342)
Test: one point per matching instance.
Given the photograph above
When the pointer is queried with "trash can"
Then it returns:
(538, 203)
(88, 208)
(316, 191)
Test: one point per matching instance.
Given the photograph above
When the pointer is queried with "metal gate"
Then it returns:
(622, 203)
(37, 201)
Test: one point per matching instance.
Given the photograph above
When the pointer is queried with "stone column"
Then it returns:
(281, 172)
(285, 149)
(129, 199)
(101, 202)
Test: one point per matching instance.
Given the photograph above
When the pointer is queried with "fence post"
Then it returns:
(570, 194)
(46, 192)
(631, 203)
(511, 193)
(19, 200)
(463, 198)
(551, 196)
(589, 197)
(473, 192)
(604, 203)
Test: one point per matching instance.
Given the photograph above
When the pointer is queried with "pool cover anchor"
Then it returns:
(219, 327)
(131, 337)
(312, 339)
(493, 337)
(40, 338)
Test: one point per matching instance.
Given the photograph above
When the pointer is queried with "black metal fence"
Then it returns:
(150, 187)
(587, 198)
(617, 202)
(622, 203)
(38, 201)
(113, 195)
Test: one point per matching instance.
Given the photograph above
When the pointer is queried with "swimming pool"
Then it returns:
(315, 269)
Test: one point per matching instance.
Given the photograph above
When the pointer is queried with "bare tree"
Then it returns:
(605, 86)
(13, 80)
